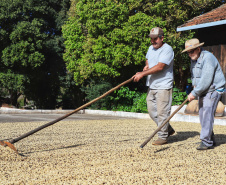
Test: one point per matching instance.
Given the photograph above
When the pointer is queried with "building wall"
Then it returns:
(219, 52)
(215, 42)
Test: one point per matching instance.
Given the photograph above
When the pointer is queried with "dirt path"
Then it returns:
(107, 152)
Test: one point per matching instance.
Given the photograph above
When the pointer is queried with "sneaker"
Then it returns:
(160, 141)
(202, 146)
(214, 143)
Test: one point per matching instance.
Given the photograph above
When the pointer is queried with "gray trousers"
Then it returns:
(159, 108)
(207, 108)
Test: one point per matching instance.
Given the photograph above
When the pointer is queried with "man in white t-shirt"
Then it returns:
(159, 72)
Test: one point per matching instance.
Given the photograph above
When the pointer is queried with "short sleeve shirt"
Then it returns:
(164, 78)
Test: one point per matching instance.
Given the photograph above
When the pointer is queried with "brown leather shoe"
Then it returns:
(160, 141)
(172, 132)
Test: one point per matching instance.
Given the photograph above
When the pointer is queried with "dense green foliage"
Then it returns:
(178, 96)
(103, 38)
(96, 89)
(31, 49)
(109, 39)
(130, 101)
(125, 99)
(104, 42)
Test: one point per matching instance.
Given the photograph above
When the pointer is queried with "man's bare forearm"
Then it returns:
(157, 68)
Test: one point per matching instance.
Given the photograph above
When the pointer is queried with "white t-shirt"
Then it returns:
(164, 78)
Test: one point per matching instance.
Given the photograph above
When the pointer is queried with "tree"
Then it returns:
(104, 37)
(31, 49)
(108, 39)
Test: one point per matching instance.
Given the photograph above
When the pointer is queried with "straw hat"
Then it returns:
(192, 44)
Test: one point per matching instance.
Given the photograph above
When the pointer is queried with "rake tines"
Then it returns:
(10, 145)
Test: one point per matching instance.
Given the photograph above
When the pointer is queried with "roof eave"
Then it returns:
(201, 25)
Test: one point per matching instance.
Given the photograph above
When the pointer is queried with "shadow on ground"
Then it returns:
(181, 136)
(220, 139)
(72, 146)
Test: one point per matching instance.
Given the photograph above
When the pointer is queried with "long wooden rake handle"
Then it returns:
(12, 141)
(159, 128)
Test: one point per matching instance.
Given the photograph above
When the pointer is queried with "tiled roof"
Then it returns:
(214, 15)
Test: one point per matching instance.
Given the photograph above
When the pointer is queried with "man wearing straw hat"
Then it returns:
(208, 84)
(159, 72)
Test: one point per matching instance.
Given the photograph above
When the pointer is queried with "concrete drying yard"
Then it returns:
(108, 152)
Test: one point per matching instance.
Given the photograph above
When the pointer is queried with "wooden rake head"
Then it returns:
(10, 145)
